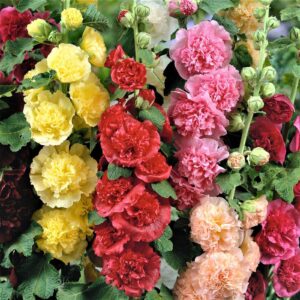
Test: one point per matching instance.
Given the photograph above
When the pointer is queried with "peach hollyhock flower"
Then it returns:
(215, 225)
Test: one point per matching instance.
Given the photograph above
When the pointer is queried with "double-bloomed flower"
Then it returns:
(62, 174)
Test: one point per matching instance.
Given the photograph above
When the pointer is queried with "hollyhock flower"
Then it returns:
(279, 237)
(188, 7)
(126, 141)
(295, 143)
(257, 287)
(108, 240)
(196, 115)
(279, 108)
(224, 86)
(167, 131)
(153, 170)
(134, 270)
(198, 162)
(114, 56)
(267, 135)
(146, 218)
(201, 49)
(13, 23)
(215, 225)
(286, 278)
(129, 74)
(147, 95)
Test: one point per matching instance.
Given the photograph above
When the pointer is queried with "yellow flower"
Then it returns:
(61, 175)
(93, 43)
(50, 118)
(71, 18)
(39, 29)
(64, 232)
(70, 63)
(90, 99)
(86, 2)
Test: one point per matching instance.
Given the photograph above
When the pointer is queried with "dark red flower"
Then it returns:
(279, 108)
(267, 135)
(128, 74)
(167, 131)
(20, 70)
(295, 143)
(135, 270)
(257, 287)
(114, 56)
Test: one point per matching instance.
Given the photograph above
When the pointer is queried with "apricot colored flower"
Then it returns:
(70, 63)
(71, 18)
(62, 174)
(50, 119)
(215, 225)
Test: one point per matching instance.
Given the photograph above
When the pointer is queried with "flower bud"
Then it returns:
(142, 11)
(268, 89)
(126, 18)
(273, 23)
(143, 40)
(258, 157)
(259, 13)
(236, 161)
(139, 102)
(236, 122)
(71, 18)
(248, 73)
(188, 7)
(255, 104)
(39, 29)
(259, 36)
(269, 74)
(55, 37)
(295, 34)
(266, 2)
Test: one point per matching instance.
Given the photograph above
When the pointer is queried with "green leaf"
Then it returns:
(37, 277)
(93, 18)
(6, 90)
(165, 293)
(154, 115)
(6, 290)
(163, 244)
(294, 160)
(94, 218)
(23, 244)
(15, 132)
(3, 105)
(164, 189)
(241, 57)
(153, 295)
(118, 94)
(38, 81)
(167, 149)
(115, 172)
(296, 71)
(227, 24)
(228, 181)
(279, 44)
(146, 57)
(30, 4)
(212, 7)
(290, 12)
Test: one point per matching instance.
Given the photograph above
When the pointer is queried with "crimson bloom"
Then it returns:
(114, 56)
(295, 143)
(257, 287)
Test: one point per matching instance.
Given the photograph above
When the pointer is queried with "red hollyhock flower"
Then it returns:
(286, 278)
(257, 287)
(135, 270)
(13, 23)
(279, 108)
(147, 95)
(146, 219)
(295, 143)
(279, 237)
(266, 134)
(153, 170)
(167, 131)
(129, 74)
(108, 240)
(126, 141)
(114, 56)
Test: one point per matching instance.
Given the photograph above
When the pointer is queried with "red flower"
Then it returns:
(108, 240)
(257, 287)
(147, 95)
(167, 131)
(279, 108)
(13, 23)
(114, 56)
(135, 270)
(129, 74)
(266, 134)
(153, 170)
(295, 143)
(279, 237)
(126, 141)
(286, 278)
(146, 219)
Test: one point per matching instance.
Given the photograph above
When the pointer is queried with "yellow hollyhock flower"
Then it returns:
(90, 99)
(70, 63)
(93, 43)
(61, 175)
(71, 18)
(50, 118)
(39, 29)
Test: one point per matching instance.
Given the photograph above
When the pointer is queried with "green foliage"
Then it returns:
(38, 81)
(118, 94)
(241, 57)
(227, 24)
(167, 149)
(164, 294)
(95, 219)
(290, 12)
(6, 290)
(164, 189)
(115, 172)
(154, 115)
(213, 7)
(93, 18)
(146, 57)
(163, 244)
(15, 132)
(6, 90)
(228, 181)
(30, 4)
(3, 105)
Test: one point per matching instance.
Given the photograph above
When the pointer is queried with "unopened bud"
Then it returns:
(266, 2)
(273, 23)
(268, 89)
(255, 104)
(39, 29)
(295, 34)
(55, 37)
(126, 18)
(258, 157)
(142, 11)
(236, 161)
(259, 13)
(269, 74)
(139, 102)
(259, 36)
(143, 40)
(248, 73)
(236, 122)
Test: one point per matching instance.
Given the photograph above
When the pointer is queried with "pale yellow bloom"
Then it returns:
(71, 18)
(50, 119)
(93, 43)
(90, 99)
(39, 29)
(62, 175)
(70, 63)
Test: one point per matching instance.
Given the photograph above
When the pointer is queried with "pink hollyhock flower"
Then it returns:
(201, 49)
(286, 278)
(295, 143)
(196, 115)
(188, 7)
(198, 162)
(224, 86)
(279, 237)
(257, 287)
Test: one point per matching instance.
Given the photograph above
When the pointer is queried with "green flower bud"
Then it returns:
(273, 23)
(259, 13)
(39, 29)
(139, 102)
(295, 34)
(258, 157)
(255, 104)
(142, 11)
(248, 73)
(236, 161)
(126, 18)
(259, 36)
(269, 74)
(268, 89)
(55, 37)
(143, 40)
(236, 122)
(266, 2)
(249, 206)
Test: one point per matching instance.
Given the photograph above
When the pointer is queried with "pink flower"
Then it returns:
(196, 116)
(201, 49)
(198, 162)
(286, 278)
(188, 7)
(224, 86)
(295, 143)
